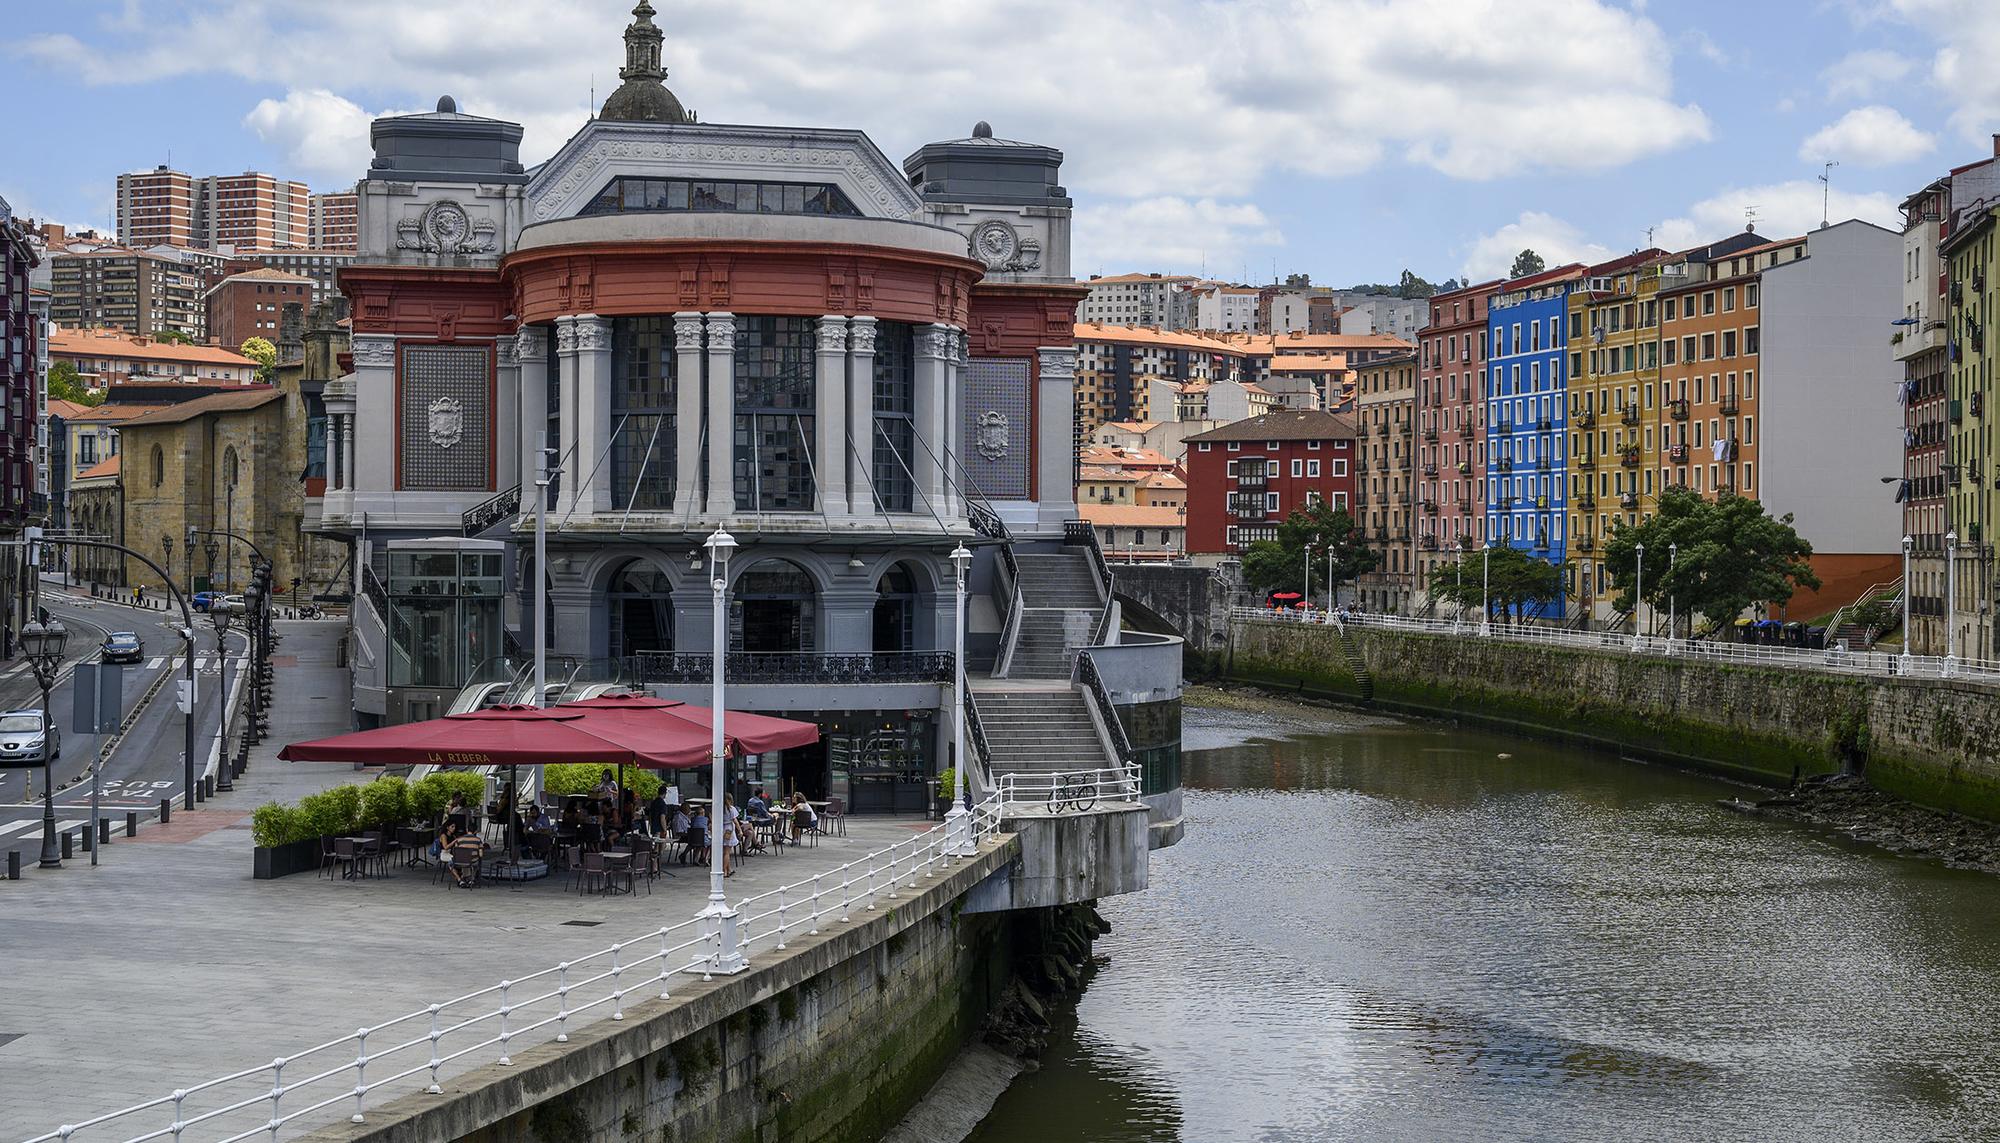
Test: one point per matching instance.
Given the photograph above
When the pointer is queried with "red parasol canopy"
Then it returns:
(639, 719)
(497, 736)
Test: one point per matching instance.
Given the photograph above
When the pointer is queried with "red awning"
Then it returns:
(643, 719)
(497, 736)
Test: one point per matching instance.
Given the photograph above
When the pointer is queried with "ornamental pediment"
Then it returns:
(603, 151)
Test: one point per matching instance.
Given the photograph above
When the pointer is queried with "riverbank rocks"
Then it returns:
(1868, 815)
(1052, 968)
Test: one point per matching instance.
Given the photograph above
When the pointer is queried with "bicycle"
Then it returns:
(1072, 792)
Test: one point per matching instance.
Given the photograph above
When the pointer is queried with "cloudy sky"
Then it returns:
(1347, 139)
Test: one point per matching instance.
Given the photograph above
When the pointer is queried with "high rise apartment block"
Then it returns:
(336, 222)
(138, 291)
(156, 208)
(248, 211)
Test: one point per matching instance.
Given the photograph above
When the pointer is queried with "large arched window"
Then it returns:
(642, 610)
(773, 436)
(229, 467)
(896, 610)
(773, 608)
(159, 466)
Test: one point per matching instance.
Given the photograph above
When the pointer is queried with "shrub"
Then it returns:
(427, 798)
(385, 803)
(274, 825)
(579, 779)
(345, 808)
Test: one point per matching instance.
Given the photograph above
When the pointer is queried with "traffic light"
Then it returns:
(184, 695)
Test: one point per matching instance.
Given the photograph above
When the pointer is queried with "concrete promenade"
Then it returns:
(169, 965)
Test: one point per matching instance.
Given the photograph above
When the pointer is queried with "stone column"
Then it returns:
(861, 414)
(372, 444)
(933, 349)
(955, 488)
(531, 351)
(336, 447)
(847, 618)
(593, 413)
(568, 470)
(1055, 434)
(687, 414)
(507, 413)
(830, 401)
(721, 389)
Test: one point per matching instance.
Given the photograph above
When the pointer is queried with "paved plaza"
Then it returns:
(169, 964)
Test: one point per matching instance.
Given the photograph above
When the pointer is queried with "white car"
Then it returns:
(22, 739)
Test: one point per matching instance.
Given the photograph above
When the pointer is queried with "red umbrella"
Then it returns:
(497, 736)
(665, 728)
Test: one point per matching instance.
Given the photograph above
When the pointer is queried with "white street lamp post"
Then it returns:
(1486, 589)
(719, 917)
(958, 822)
(1309, 576)
(1950, 600)
(1906, 602)
(1673, 605)
(1639, 597)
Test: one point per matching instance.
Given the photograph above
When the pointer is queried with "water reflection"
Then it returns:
(1402, 932)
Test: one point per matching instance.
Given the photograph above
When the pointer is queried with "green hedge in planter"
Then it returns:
(582, 779)
(385, 803)
(274, 825)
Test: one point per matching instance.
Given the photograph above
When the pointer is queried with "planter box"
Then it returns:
(284, 860)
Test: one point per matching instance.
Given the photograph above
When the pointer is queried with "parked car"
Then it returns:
(233, 603)
(22, 738)
(202, 599)
(122, 647)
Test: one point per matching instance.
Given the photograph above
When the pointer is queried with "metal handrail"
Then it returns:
(1086, 673)
(793, 666)
(1018, 791)
(1882, 663)
(1896, 585)
(1010, 634)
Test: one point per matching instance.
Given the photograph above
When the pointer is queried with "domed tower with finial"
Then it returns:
(643, 96)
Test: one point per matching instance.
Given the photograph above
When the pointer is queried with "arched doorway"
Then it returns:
(896, 610)
(774, 608)
(642, 610)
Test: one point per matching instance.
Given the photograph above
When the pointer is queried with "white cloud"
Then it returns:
(1492, 255)
(323, 136)
(1968, 37)
(1873, 136)
(1170, 232)
(1864, 74)
(1192, 100)
(1782, 210)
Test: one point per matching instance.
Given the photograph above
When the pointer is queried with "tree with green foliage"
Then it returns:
(1279, 565)
(172, 337)
(1411, 286)
(263, 353)
(1525, 263)
(65, 384)
(1508, 579)
(1726, 555)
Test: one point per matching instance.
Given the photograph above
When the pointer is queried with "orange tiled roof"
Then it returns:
(1147, 335)
(1132, 515)
(118, 343)
(107, 467)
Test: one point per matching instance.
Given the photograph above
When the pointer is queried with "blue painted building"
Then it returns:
(1527, 393)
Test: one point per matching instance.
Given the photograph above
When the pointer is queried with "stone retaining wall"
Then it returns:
(830, 1041)
(1930, 741)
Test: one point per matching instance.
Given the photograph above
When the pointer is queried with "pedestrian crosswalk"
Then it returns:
(175, 663)
(31, 826)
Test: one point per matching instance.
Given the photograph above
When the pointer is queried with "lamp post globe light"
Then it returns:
(42, 644)
(718, 917)
(1906, 599)
(1639, 597)
(253, 606)
(958, 822)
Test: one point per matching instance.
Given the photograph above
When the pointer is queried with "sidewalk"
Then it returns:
(169, 964)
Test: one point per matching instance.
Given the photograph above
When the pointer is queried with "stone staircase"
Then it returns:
(1039, 732)
(1363, 680)
(1060, 605)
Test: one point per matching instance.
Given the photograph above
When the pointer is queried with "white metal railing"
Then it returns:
(1887, 664)
(1066, 790)
(1894, 587)
(411, 1052)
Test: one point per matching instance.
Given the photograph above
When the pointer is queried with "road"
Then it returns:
(145, 765)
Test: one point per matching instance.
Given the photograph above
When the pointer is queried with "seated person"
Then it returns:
(757, 804)
(803, 817)
(454, 829)
(475, 849)
(697, 835)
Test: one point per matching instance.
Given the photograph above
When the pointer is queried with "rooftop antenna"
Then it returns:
(1649, 238)
(1826, 192)
(1750, 218)
(593, 95)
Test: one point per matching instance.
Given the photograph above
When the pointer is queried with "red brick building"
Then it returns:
(249, 304)
(1451, 424)
(1245, 478)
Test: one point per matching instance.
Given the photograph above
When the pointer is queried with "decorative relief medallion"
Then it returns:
(444, 227)
(373, 351)
(1001, 247)
(447, 422)
(991, 438)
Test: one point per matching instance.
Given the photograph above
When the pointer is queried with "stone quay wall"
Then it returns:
(1930, 741)
(828, 1041)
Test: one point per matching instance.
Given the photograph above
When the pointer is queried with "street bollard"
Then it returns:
(65, 845)
(13, 865)
(208, 785)
(86, 839)
(104, 831)
(131, 823)
(166, 810)
(198, 795)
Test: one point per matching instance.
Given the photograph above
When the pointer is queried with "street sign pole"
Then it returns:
(98, 691)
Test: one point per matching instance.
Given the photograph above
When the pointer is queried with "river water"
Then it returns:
(1378, 930)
